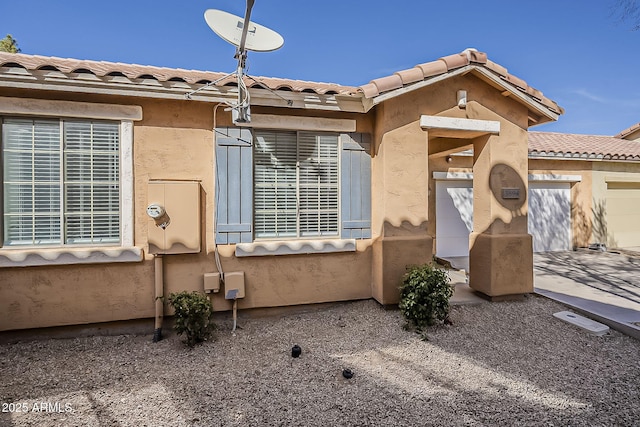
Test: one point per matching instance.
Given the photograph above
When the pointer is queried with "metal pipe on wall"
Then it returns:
(159, 293)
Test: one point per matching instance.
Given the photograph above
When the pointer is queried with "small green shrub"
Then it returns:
(193, 316)
(424, 295)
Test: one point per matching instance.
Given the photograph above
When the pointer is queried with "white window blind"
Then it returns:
(60, 182)
(296, 184)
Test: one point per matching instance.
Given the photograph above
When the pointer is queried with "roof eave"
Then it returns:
(212, 94)
(542, 114)
(415, 86)
(589, 157)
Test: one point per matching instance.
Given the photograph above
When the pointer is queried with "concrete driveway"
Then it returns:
(603, 285)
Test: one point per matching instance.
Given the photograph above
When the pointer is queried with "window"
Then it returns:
(295, 185)
(61, 182)
(291, 185)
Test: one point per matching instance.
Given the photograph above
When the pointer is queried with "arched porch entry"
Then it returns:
(500, 248)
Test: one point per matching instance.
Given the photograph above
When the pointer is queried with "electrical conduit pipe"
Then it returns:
(159, 292)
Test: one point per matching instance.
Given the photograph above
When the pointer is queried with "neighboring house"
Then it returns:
(605, 205)
(327, 195)
(631, 134)
(582, 189)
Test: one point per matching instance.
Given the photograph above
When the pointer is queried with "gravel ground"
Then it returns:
(508, 363)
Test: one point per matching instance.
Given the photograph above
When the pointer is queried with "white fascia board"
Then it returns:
(535, 106)
(460, 124)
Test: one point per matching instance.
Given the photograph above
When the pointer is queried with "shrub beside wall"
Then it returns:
(193, 316)
(424, 295)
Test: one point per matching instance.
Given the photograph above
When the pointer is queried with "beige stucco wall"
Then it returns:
(174, 141)
(32, 297)
(618, 174)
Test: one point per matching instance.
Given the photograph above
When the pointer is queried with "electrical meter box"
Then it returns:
(174, 217)
(234, 285)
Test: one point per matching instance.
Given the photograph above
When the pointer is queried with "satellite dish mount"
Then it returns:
(244, 35)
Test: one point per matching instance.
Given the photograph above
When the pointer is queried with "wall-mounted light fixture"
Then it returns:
(462, 99)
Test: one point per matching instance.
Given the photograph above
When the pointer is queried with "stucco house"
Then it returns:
(117, 187)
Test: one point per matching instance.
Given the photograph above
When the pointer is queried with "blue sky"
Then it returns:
(577, 52)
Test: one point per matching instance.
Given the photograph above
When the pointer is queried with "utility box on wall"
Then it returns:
(234, 285)
(174, 217)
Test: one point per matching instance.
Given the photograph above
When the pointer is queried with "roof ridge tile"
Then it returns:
(456, 60)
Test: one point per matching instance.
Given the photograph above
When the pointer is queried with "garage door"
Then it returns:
(623, 214)
(550, 216)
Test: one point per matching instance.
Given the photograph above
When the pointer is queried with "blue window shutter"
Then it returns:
(234, 185)
(355, 203)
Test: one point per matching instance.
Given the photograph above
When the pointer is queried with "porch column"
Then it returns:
(500, 248)
(400, 200)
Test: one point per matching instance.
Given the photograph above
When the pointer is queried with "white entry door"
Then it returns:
(454, 217)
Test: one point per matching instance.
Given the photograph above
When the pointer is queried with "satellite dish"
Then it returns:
(244, 35)
(230, 28)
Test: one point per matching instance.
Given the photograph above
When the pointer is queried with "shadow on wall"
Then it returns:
(600, 231)
(510, 191)
(550, 219)
(500, 256)
(593, 228)
(581, 223)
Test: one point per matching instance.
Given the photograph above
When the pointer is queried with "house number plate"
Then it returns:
(510, 193)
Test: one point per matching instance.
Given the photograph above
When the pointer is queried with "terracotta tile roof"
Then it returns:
(629, 131)
(175, 79)
(588, 147)
(447, 64)
(133, 72)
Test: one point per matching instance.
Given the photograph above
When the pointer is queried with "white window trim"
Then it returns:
(126, 251)
(79, 110)
(295, 247)
(299, 123)
(126, 183)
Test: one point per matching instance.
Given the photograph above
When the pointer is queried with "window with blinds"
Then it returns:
(295, 185)
(61, 182)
